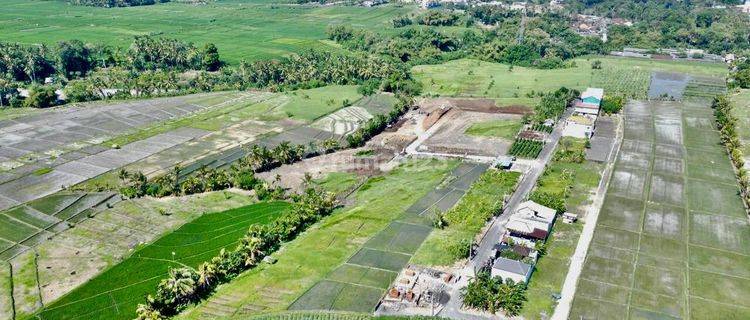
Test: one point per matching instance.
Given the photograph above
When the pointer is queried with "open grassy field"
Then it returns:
(482, 201)
(671, 239)
(315, 254)
(115, 293)
(241, 29)
(473, 78)
(506, 129)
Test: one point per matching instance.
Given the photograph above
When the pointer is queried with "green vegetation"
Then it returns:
(518, 85)
(42, 171)
(115, 293)
(364, 153)
(313, 255)
(266, 30)
(311, 104)
(494, 294)
(337, 182)
(506, 129)
(485, 199)
(187, 286)
(526, 148)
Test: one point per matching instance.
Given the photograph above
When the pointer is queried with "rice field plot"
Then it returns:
(321, 253)
(704, 88)
(509, 86)
(683, 248)
(25, 226)
(240, 29)
(115, 293)
(357, 281)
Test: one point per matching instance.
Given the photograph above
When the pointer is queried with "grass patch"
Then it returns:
(42, 171)
(364, 153)
(314, 103)
(506, 129)
(115, 293)
(337, 182)
(308, 259)
(484, 199)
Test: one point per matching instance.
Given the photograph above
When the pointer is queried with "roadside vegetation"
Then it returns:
(494, 294)
(457, 228)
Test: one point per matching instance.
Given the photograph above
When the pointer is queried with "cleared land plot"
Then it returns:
(687, 247)
(115, 293)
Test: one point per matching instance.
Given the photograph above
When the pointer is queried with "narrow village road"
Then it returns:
(497, 225)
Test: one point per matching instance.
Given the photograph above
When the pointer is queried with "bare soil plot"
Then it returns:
(451, 137)
(628, 183)
(665, 221)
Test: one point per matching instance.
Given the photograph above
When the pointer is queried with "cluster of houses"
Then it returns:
(516, 254)
(582, 123)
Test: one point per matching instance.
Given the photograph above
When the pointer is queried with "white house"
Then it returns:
(579, 126)
(508, 268)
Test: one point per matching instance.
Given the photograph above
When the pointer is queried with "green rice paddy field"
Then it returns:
(474, 78)
(115, 293)
(320, 254)
(672, 237)
(249, 30)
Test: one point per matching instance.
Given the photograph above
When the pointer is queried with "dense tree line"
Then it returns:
(726, 121)
(74, 59)
(672, 23)
(547, 42)
(156, 67)
(434, 18)
(259, 158)
(115, 3)
(494, 294)
(740, 76)
(553, 104)
(185, 286)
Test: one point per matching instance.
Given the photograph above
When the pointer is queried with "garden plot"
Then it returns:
(671, 256)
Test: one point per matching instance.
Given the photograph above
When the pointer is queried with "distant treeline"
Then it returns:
(546, 44)
(115, 3)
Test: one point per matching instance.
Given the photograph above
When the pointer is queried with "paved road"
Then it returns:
(453, 307)
(562, 311)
